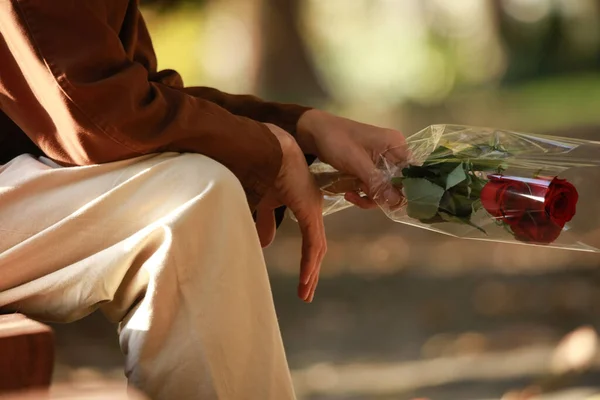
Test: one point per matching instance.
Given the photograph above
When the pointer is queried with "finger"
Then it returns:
(265, 226)
(390, 197)
(313, 234)
(382, 192)
(360, 201)
(362, 166)
(376, 183)
(306, 292)
(303, 290)
(314, 280)
(313, 285)
(337, 182)
(309, 292)
(308, 211)
(397, 153)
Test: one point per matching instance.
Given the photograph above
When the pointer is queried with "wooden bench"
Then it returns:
(26, 353)
(27, 362)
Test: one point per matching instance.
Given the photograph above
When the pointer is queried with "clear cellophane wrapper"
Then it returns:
(486, 184)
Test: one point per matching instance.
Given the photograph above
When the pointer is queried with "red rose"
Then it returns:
(535, 209)
(505, 198)
(561, 201)
(556, 196)
(536, 227)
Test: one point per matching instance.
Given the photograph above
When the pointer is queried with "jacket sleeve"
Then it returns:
(70, 86)
(284, 115)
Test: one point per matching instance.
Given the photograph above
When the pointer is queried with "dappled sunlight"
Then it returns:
(576, 351)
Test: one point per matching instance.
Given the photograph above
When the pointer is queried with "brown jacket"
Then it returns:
(79, 78)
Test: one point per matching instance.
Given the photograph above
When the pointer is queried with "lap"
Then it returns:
(59, 222)
(34, 194)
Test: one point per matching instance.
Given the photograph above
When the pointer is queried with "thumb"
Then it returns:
(265, 226)
(376, 184)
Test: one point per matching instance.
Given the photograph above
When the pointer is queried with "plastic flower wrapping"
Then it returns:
(487, 184)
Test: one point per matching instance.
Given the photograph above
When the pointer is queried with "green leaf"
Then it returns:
(456, 204)
(442, 152)
(471, 151)
(423, 198)
(436, 219)
(476, 206)
(456, 176)
(466, 221)
(416, 171)
(501, 168)
(397, 181)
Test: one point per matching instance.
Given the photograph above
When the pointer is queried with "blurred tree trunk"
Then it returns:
(544, 48)
(286, 71)
(533, 49)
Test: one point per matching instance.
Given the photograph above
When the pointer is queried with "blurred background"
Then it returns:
(404, 313)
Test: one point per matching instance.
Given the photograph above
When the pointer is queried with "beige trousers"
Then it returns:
(164, 244)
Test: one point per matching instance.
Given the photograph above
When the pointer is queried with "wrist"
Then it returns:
(286, 141)
(305, 129)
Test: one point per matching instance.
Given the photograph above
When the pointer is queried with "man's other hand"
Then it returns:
(295, 188)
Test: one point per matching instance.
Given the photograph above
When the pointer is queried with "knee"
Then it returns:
(201, 175)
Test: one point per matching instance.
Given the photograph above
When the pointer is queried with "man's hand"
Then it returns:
(354, 148)
(295, 187)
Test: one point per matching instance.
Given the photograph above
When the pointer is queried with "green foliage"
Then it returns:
(446, 187)
(423, 198)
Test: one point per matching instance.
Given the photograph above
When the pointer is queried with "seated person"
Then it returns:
(124, 191)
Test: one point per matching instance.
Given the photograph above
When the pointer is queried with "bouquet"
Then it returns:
(489, 184)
